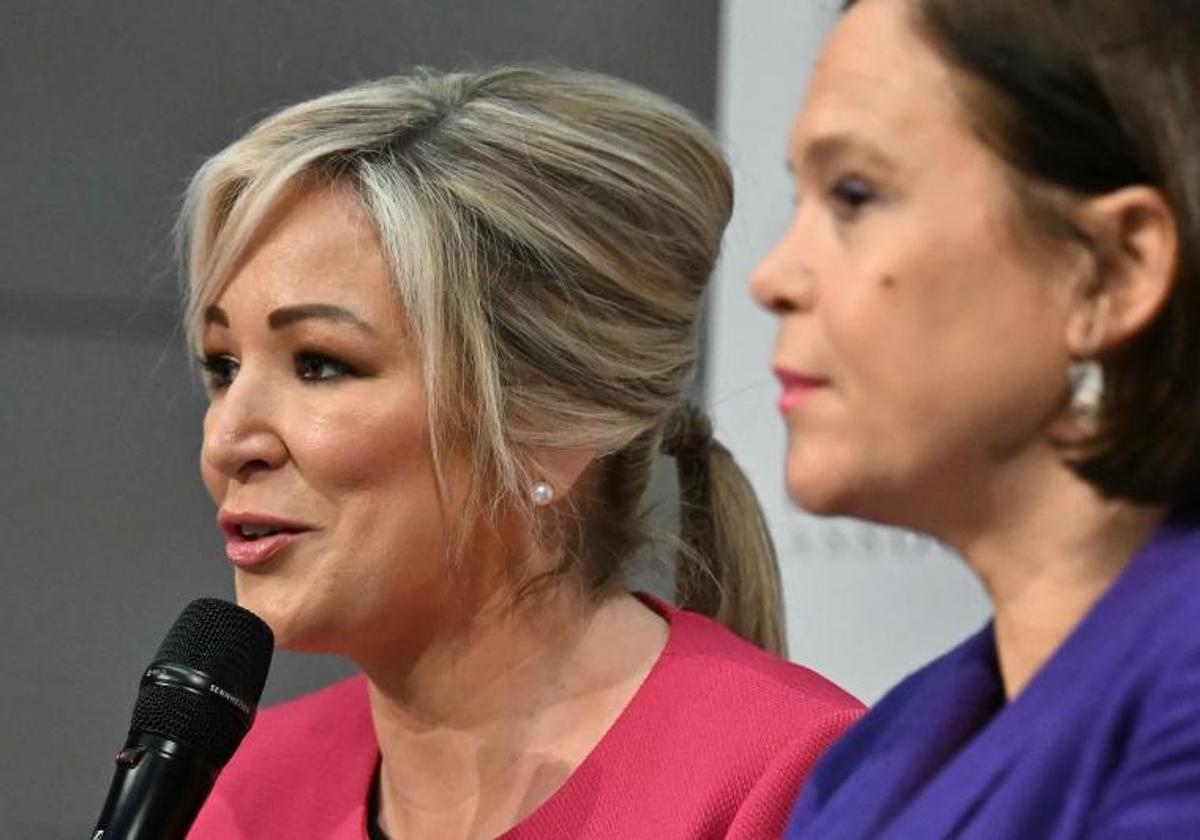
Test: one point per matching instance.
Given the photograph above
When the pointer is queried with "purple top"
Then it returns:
(1104, 742)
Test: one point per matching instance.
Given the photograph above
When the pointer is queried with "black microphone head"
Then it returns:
(206, 679)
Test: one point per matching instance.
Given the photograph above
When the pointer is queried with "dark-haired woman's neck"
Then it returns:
(1047, 552)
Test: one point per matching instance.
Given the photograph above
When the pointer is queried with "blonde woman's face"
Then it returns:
(316, 446)
(922, 347)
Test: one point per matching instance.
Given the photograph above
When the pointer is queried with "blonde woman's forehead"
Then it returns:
(318, 249)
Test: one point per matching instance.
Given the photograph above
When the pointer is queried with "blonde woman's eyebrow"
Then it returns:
(285, 316)
(215, 315)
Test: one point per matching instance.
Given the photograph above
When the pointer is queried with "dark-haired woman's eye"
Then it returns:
(849, 195)
(218, 371)
(317, 367)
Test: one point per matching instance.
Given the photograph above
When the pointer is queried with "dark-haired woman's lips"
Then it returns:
(798, 388)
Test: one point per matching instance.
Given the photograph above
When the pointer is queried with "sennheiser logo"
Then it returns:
(222, 693)
(177, 675)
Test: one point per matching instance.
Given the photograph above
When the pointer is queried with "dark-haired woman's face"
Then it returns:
(921, 345)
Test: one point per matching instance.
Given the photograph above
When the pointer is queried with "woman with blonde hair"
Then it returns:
(447, 322)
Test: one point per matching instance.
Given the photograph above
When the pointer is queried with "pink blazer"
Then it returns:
(715, 743)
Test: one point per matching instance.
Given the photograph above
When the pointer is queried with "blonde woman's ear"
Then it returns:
(557, 471)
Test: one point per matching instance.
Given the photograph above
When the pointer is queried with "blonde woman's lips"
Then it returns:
(254, 539)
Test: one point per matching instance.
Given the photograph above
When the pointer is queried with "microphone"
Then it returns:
(195, 703)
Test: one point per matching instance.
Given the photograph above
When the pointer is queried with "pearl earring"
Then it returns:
(1087, 387)
(542, 494)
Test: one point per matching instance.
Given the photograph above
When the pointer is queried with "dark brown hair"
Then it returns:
(1081, 98)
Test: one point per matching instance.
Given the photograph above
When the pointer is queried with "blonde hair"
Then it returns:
(550, 234)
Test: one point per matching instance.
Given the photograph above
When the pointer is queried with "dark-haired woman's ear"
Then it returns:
(1136, 249)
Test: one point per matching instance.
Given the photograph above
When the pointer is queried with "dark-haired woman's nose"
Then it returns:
(782, 283)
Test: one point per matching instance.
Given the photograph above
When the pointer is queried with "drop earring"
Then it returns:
(1086, 378)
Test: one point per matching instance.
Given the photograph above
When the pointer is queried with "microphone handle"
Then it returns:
(157, 790)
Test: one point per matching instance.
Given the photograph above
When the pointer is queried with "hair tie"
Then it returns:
(687, 432)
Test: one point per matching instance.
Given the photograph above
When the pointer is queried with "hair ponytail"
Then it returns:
(727, 567)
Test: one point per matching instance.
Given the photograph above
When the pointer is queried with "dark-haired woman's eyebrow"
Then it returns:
(831, 150)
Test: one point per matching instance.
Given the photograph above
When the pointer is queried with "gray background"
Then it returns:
(105, 109)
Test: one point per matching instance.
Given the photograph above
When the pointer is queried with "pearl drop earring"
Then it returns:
(542, 494)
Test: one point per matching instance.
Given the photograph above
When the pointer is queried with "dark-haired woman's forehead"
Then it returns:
(878, 92)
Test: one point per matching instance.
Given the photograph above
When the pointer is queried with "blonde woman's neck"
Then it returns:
(484, 728)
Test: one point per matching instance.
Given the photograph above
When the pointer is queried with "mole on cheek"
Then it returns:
(887, 282)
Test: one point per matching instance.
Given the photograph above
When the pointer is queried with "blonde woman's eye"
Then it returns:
(218, 370)
(317, 367)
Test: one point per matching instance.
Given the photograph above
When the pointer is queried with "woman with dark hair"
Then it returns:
(989, 305)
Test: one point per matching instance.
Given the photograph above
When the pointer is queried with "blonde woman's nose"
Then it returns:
(241, 435)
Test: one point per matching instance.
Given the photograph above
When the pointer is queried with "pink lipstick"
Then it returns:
(253, 539)
(798, 389)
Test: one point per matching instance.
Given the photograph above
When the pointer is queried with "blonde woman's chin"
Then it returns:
(290, 615)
